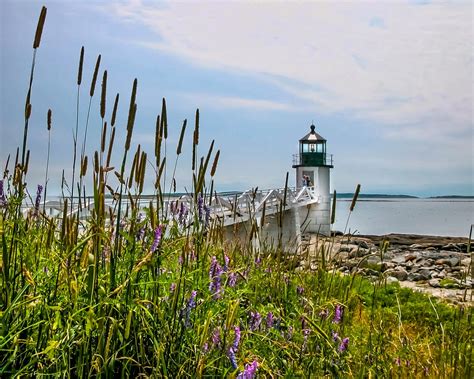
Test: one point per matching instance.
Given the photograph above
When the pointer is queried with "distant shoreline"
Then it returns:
(384, 196)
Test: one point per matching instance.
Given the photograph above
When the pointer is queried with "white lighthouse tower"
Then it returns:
(313, 167)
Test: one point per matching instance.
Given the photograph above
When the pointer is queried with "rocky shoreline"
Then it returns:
(440, 266)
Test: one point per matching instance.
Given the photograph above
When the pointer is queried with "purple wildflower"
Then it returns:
(226, 263)
(216, 337)
(303, 322)
(189, 307)
(344, 344)
(324, 314)
(172, 287)
(299, 290)
(38, 199)
(233, 349)
(255, 321)
(215, 273)
(157, 239)
(269, 270)
(232, 280)
(338, 312)
(141, 231)
(258, 260)
(205, 348)
(232, 358)
(306, 332)
(235, 344)
(207, 213)
(3, 200)
(335, 336)
(182, 215)
(398, 361)
(249, 371)
(270, 320)
(180, 260)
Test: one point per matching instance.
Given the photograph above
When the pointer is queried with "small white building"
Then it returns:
(313, 165)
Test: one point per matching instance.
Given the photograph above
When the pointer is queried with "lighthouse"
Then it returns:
(313, 166)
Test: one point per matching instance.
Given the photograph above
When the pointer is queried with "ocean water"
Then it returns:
(439, 217)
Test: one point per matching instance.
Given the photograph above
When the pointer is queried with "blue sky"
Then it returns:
(388, 84)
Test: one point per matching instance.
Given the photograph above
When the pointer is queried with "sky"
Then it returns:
(389, 84)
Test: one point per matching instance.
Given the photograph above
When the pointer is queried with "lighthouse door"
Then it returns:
(310, 175)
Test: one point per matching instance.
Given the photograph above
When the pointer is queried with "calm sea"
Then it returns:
(441, 217)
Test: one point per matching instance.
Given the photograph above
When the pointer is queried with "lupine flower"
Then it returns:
(337, 314)
(270, 320)
(235, 344)
(303, 322)
(141, 231)
(344, 344)
(232, 280)
(299, 290)
(215, 273)
(324, 314)
(255, 321)
(216, 337)
(3, 200)
(38, 199)
(232, 358)
(200, 204)
(335, 336)
(226, 263)
(173, 207)
(233, 349)
(157, 239)
(191, 304)
(207, 213)
(249, 371)
(306, 332)
(182, 215)
(258, 260)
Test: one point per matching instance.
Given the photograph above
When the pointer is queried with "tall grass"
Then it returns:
(156, 291)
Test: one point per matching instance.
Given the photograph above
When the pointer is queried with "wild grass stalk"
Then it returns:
(48, 126)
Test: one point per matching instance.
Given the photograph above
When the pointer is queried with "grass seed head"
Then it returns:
(39, 27)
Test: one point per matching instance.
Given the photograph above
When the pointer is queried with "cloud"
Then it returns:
(349, 56)
(221, 101)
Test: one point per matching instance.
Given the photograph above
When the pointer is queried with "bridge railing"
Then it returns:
(235, 207)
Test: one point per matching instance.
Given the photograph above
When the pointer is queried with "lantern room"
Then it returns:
(312, 151)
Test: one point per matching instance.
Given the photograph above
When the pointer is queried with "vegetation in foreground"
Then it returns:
(156, 291)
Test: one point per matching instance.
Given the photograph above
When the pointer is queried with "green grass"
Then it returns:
(105, 297)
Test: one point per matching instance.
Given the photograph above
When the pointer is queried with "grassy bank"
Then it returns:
(157, 291)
